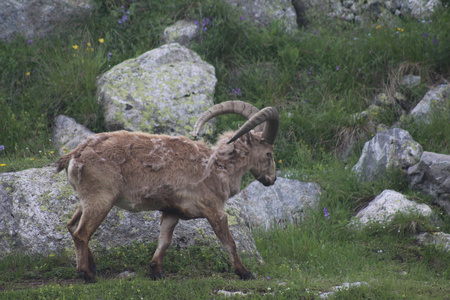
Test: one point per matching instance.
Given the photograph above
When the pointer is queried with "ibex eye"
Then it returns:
(269, 155)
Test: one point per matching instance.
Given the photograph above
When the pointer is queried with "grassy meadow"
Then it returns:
(317, 78)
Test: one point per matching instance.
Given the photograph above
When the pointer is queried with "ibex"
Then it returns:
(183, 179)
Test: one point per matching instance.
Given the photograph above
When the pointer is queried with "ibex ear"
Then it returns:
(249, 138)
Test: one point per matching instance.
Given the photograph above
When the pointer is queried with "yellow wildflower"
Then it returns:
(75, 47)
(378, 27)
(28, 73)
(2, 165)
(101, 41)
(88, 44)
(31, 158)
(280, 161)
(51, 152)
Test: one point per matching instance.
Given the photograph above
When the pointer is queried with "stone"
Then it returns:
(385, 206)
(288, 200)
(434, 101)
(68, 134)
(361, 11)
(164, 91)
(181, 32)
(263, 12)
(419, 8)
(431, 175)
(35, 18)
(411, 81)
(344, 287)
(390, 149)
(36, 204)
(439, 239)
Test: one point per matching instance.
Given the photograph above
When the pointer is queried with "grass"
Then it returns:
(318, 78)
(301, 262)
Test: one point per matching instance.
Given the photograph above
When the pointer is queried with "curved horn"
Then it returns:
(269, 115)
(238, 107)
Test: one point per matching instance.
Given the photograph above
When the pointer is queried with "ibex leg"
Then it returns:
(83, 224)
(168, 223)
(219, 224)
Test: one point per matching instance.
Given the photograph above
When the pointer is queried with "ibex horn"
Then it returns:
(237, 107)
(255, 118)
(268, 115)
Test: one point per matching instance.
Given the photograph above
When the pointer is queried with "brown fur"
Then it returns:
(183, 179)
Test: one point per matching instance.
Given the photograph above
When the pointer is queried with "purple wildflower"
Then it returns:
(435, 41)
(123, 20)
(242, 18)
(2, 148)
(316, 32)
(109, 56)
(338, 68)
(268, 278)
(236, 91)
(326, 213)
(30, 42)
(425, 34)
(205, 23)
(124, 17)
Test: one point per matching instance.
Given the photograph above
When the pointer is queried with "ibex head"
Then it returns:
(261, 140)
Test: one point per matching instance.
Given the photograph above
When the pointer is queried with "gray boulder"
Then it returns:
(164, 90)
(433, 101)
(68, 134)
(263, 12)
(34, 18)
(439, 239)
(393, 148)
(181, 32)
(418, 8)
(411, 80)
(359, 11)
(36, 204)
(432, 176)
(386, 205)
(286, 201)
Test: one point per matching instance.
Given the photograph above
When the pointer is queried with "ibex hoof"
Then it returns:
(87, 278)
(248, 276)
(158, 276)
